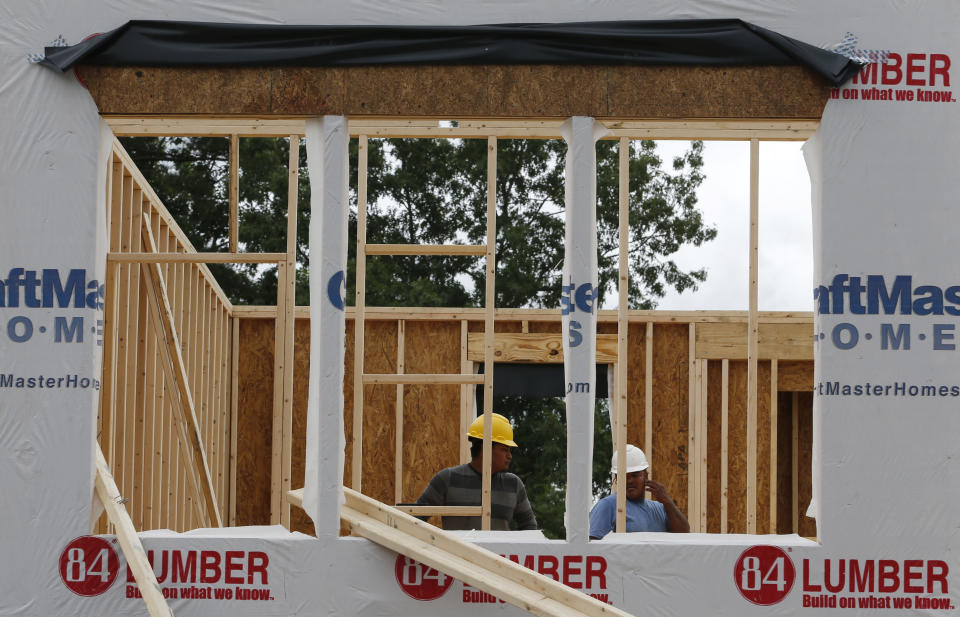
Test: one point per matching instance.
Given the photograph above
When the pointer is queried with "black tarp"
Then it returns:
(535, 380)
(708, 42)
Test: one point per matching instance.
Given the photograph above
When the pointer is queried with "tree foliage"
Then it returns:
(435, 192)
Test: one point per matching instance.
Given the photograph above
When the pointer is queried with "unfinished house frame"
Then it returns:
(198, 393)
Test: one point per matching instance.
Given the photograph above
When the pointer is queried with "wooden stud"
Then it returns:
(188, 426)
(648, 393)
(283, 380)
(108, 406)
(226, 405)
(398, 446)
(752, 340)
(192, 362)
(392, 313)
(214, 396)
(532, 128)
(702, 377)
(358, 320)
(196, 258)
(276, 447)
(466, 395)
(693, 437)
(234, 191)
(623, 326)
(234, 416)
(151, 409)
(795, 456)
(124, 221)
(421, 378)
(425, 249)
(724, 442)
(539, 347)
(773, 446)
(155, 203)
(441, 510)
(109, 495)
(161, 436)
(135, 324)
(488, 325)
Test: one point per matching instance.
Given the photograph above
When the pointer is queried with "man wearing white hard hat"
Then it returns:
(657, 514)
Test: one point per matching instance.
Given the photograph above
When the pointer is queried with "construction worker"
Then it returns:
(461, 485)
(642, 514)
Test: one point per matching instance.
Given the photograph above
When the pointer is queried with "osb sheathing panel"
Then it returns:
(808, 525)
(463, 91)
(636, 385)
(795, 376)
(431, 413)
(744, 92)
(670, 412)
(763, 447)
(784, 463)
(299, 521)
(254, 421)
(737, 447)
(379, 404)
(714, 442)
(431, 417)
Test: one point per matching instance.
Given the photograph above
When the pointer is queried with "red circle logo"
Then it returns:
(764, 575)
(418, 581)
(89, 565)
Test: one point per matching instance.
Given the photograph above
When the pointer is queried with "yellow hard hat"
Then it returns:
(502, 431)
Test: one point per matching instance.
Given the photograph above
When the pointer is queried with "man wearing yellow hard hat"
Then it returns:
(461, 485)
(659, 514)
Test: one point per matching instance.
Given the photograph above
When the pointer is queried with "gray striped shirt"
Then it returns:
(461, 486)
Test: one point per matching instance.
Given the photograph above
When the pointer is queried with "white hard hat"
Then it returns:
(636, 460)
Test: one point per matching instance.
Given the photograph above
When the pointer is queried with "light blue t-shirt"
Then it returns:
(645, 515)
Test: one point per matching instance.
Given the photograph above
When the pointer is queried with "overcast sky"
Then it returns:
(786, 249)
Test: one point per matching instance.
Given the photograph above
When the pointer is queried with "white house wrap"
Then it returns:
(886, 462)
(579, 310)
(327, 147)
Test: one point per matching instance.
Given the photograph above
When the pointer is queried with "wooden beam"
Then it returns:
(773, 446)
(441, 510)
(157, 205)
(173, 364)
(234, 165)
(421, 378)
(476, 566)
(466, 395)
(724, 443)
(109, 495)
(784, 341)
(539, 347)
(283, 378)
(490, 300)
(234, 416)
(795, 459)
(392, 313)
(426, 249)
(752, 340)
(197, 258)
(693, 432)
(359, 317)
(681, 129)
(702, 376)
(398, 443)
(648, 392)
(623, 326)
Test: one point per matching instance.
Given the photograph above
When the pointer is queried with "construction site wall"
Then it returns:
(432, 432)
